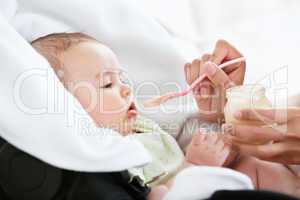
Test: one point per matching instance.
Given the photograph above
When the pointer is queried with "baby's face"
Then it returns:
(92, 74)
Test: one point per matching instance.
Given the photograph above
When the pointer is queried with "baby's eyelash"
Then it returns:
(109, 85)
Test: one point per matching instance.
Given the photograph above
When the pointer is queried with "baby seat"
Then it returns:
(25, 177)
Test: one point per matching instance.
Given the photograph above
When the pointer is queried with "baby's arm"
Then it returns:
(204, 149)
(158, 192)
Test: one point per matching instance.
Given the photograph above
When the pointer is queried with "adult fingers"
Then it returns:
(281, 152)
(205, 58)
(187, 73)
(237, 75)
(217, 75)
(251, 134)
(204, 89)
(224, 51)
(269, 115)
(264, 152)
(194, 70)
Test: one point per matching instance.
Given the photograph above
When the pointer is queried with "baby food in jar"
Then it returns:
(245, 97)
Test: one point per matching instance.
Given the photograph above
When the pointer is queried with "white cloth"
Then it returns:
(167, 157)
(197, 183)
(60, 140)
(47, 135)
(44, 134)
(139, 41)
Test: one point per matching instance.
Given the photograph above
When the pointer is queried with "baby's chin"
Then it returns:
(127, 127)
(124, 127)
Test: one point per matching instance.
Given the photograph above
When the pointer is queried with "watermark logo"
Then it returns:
(64, 99)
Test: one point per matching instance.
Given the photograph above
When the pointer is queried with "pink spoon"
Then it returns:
(156, 101)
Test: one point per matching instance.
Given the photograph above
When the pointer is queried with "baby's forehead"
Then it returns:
(110, 71)
(92, 58)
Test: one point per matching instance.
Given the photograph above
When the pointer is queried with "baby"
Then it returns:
(92, 73)
(105, 95)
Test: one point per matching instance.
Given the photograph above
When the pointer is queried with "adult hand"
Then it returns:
(278, 142)
(210, 93)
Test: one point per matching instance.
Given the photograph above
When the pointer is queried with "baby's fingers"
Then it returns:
(212, 138)
(198, 138)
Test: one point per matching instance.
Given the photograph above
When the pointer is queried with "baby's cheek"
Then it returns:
(87, 98)
(110, 109)
(111, 104)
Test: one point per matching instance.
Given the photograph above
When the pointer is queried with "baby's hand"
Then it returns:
(158, 192)
(207, 149)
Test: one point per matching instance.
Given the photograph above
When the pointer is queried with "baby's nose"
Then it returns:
(125, 90)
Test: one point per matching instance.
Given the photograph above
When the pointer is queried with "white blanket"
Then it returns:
(26, 81)
(37, 119)
(44, 133)
(197, 183)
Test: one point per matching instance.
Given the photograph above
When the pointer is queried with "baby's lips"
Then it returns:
(132, 113)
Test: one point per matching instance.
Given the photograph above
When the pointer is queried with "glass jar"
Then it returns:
(245, 97)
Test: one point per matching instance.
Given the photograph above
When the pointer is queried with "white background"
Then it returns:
(267, 32)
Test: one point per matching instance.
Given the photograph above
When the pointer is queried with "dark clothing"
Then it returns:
(23, 177)
(108, 186)
(249, 195)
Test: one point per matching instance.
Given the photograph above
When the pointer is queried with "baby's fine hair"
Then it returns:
(52, 45)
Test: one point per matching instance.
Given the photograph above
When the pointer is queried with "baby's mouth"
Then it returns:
(132, 111)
